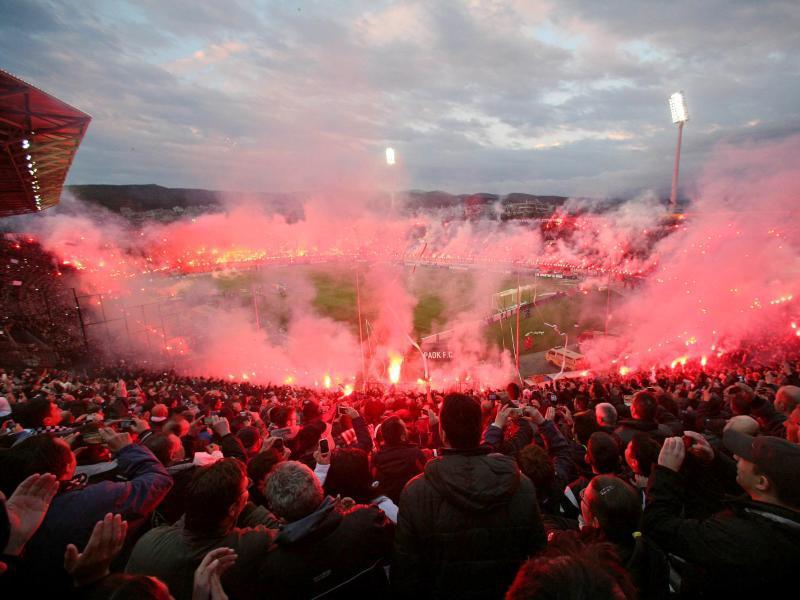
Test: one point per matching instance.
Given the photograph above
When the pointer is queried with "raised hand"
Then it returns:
(26, 509)
(105, 543)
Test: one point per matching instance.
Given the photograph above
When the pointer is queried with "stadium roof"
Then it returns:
(39, 136)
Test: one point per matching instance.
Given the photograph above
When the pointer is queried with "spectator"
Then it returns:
(743, 424)
(603, 457)
(643, 418)
(550, 470)
(169, 450)
(282, 422)
(158, 416)
(749, 549)
(74, 512)
(641, 455)
(613, 509)
(462, 499)
(606, 416)
(397, 461)
(349, 477)
(323, 546)
(787, 398)
(573, 571)
(215, 497)
(259, 467)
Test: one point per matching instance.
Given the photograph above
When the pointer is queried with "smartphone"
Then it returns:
(324, 448)
(342, 410)
(126, 424)
(492, 397)
(278, 444)
(688, 442)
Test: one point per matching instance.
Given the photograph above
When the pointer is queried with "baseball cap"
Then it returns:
(159, 413)
(775, 457)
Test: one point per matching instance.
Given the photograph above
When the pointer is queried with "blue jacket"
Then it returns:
(73, 514)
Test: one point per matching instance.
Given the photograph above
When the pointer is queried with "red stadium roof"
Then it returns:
(39, 136)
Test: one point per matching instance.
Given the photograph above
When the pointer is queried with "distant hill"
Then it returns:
(143, 197)
(155, 201)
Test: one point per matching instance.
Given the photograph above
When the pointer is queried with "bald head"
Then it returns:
(787, 399)
(743, 424)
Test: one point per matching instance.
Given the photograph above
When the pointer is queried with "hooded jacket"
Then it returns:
(749, 550)
(465, 526)
(331, 552)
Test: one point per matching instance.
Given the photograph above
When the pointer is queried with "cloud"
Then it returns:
(545, 97)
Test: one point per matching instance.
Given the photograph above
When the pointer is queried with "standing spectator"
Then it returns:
(349, 477)
(644, 409)
(74, 512)
(397, 461)
(606, 416)
(749, 549)
(612, 511)
(214, 499)
(323, 547)
(462, 500)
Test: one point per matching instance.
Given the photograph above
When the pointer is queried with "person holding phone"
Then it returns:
(477, 493)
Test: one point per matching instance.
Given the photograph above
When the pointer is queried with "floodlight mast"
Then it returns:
(390, 161)
(680, 114)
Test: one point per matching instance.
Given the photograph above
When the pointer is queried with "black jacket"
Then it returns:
(627, 427)
(394, 466)
(749, 550)
(465, 526)
(331, 552)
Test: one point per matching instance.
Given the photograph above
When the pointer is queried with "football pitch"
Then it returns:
(442, 298)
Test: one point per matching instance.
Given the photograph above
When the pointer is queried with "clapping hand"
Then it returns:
(207, 584)
(105, 543)
(26, 509)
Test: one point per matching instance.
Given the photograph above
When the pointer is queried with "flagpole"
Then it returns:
(361, 336)
(519, 305)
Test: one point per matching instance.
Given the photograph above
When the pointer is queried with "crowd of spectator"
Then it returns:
(123, 483)
(38, 307)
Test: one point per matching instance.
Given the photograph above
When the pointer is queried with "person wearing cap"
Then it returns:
(158, 415)
(749, 549)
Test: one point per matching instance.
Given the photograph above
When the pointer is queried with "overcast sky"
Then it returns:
(560, 97)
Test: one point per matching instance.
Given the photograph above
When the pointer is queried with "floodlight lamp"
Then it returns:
(677, 106)
(26, 144)
(390, 157)
(27, 157)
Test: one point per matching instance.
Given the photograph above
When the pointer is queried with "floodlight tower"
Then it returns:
(680, 114)
(390, 161)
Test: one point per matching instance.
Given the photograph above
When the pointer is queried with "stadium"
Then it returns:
(316, 380)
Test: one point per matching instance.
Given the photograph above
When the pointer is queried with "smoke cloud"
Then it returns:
(230, 294)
